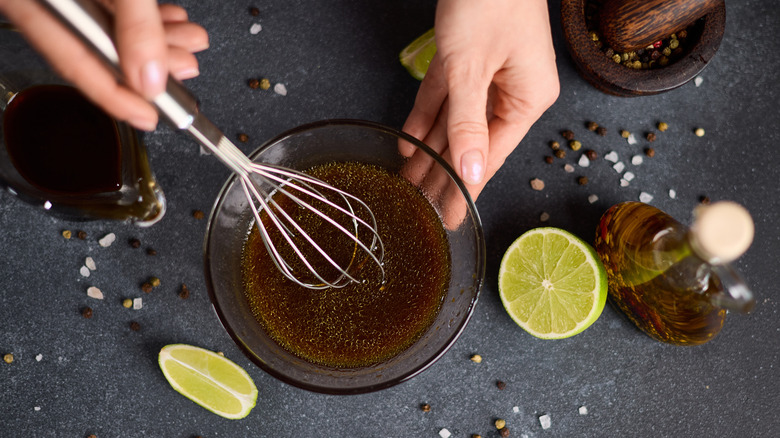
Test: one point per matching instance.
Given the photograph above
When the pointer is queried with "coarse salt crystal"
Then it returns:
(612, 156)
(636, 160)
(107, 240)
(631, 139)
(645, 197)
(138, 303)
(255, 29)
(444, 433)
(545, 421)
(37, 408)
(628, 176)
(537, 184)
(515, 409)
(593, 198)
(95, 293)
(280, 89)
(619, 166)
(672, 194)
(39, 357)
(697, 80)
(84, 271)
(90, 263)
(583, 410)
(584, 161)
(47, 205)
(544, 217)
(623, 182)
(568, 168)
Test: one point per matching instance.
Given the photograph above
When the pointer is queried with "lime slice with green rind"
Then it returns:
(552, 283)
(210, 380)
(416, 57)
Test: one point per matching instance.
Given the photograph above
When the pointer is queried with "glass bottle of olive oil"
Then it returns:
(672, 281)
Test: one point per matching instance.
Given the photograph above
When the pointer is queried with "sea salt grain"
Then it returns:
(95, 293)
(628, 176)
(619, 166)
(593, 198)
(672, 194)
(107, 240)
(90, 263)
(612, 156)
(444, 433)
(624, 182)
(583, 410)
(255, 29)
(544, 217)
(697, 80)
(631, 139)
(39, 357)
(645, 197)
(515, 409)
(584, 161)
(568, 168)
(47, 205)
(138, 303)
(636, 160)
(84, 271)
(545, 421)
(280, 89)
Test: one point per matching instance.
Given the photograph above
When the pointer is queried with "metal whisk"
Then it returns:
(261, 183)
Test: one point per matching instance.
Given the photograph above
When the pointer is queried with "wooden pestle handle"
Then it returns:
(628, 25)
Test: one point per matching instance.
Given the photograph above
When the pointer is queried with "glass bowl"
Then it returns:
(336, 141)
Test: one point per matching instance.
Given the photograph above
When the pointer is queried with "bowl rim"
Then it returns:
(480, 255)
(616, 79)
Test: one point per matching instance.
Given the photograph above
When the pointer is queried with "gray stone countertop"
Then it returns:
(72, 377)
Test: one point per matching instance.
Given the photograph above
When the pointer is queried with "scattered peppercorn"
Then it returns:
(554, 145)
(501, 385)
(151, 251)
(704, 200)
(500, 424)
(92, 436)
(127, 303)
(66, 234)
(81, 234)
(8, 358)
(198, 214)
(154, 281)
(591, 154)
(663, 126)
(265, 84)
(650, 152)
(184, 292)
(425, 407)
(86, 312)
(134, 326)
(699, 132)
(135, 243)
(624, 133)
(254, 12)
(253, 84)
(575, 145)
(592, 126)
(583, 180)
(560, 153)
(567, 134)
(243, 138)
(146, 287)
(504, 431)
(476, 358)
(602, 131)
(650, 136)
(549, 159)
(476, 435)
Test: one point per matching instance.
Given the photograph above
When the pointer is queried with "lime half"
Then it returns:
(416, 57)
(208, 379)
(552, 283)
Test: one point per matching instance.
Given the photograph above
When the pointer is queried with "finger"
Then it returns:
(173, 13)
(186, 35)
(79, 66)
(427, 104)
(182, 64)
(467, 128)
(141, 44)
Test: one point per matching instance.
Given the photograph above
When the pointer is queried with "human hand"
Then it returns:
(152, 40)
(492, 77)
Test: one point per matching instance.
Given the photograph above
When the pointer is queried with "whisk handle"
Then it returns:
(92, 23)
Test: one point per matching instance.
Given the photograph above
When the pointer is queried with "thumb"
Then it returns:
(141, 45)
(467, 127)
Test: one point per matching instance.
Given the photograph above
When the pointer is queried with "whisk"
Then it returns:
(262, 183)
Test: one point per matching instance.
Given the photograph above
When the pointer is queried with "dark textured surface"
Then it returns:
(338, 59)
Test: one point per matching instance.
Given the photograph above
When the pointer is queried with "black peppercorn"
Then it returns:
(254, 12)
(582, 180)
(560, 153)
(501, 385)
(151, 251)
(135, 243)
(86, 312)
(592, 126)
(147, 287)
(425, 407)
(650, 136)
(198, 214)
(548, 159)
(567, 134)
(184, 292)
(650, 152)
(704, 200)
(134, 326)
(504, 432)
(591, 154)
(81, 235)
(253, 83)
(602, 131)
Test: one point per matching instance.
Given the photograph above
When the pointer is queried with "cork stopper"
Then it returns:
(722, 232)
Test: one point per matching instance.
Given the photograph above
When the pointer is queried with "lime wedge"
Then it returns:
(552, 283)
(208, 379)
(416, 57)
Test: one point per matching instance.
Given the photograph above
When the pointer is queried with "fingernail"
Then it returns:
(472, 167)
(143, 124)
(187, 73)
(152, 79)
